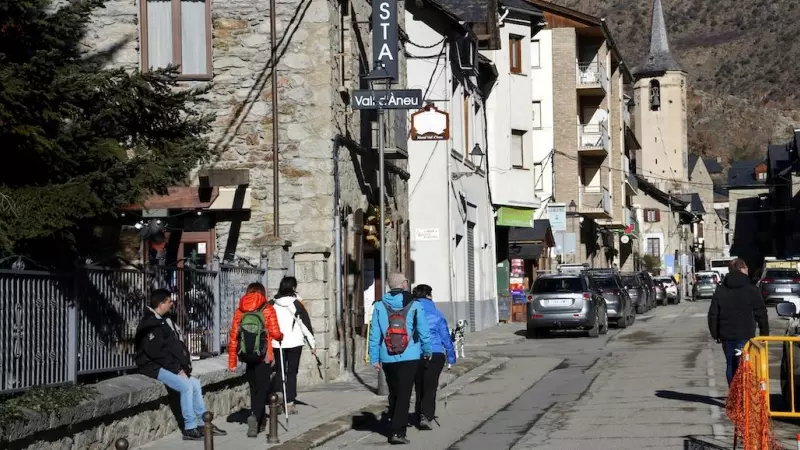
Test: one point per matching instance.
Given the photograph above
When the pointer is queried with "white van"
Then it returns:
(721, 265)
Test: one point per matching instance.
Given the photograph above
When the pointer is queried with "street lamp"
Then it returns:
(476, 158)
(573, 208)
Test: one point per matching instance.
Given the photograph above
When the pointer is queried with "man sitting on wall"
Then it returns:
(161, 354)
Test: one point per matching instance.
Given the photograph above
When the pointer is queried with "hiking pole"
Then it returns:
(283, 379)
(447, 392)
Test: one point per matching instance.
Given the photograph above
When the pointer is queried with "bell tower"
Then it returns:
(660, 111)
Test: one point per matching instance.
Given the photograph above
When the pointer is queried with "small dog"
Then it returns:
(457, 336)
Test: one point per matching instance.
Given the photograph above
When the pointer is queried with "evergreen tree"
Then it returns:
(79, 141)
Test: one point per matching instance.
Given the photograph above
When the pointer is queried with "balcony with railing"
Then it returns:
(631, 184)
(595, 203)
(593, 139)
(592, 78)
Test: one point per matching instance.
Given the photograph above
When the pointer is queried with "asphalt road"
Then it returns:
(648, 386)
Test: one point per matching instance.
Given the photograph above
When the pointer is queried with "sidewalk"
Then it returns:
(325, 411)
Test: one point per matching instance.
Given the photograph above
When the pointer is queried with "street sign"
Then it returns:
(394, 99)
(384, 36)
(430, 124)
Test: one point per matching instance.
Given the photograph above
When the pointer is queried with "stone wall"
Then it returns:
(322, 52)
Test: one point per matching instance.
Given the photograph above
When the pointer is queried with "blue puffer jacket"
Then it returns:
(440, 333)
(415, 321)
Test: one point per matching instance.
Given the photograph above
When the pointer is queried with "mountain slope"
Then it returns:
(743, 86)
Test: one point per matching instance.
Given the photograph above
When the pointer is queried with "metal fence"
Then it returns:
(55, 327)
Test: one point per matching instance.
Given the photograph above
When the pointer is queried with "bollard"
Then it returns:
(208, 431)
(274, 404)
(798, 441)
(121, 444)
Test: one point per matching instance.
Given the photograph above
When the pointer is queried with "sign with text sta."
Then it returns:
(385, 36)
(394, 99)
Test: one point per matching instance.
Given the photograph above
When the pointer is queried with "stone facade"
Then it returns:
(322, 51)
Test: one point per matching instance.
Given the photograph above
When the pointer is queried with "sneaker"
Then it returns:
(396, 439)
(192, 435)
(252, 426)
(424, 423)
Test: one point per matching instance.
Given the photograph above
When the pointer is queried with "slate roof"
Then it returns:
(522, 5)
(778, 157)
(694, 201)
(720, 193)
(538, 233)
(474, 11)
(692, 162)
(712, 165)
(742, 173)
(659, 59)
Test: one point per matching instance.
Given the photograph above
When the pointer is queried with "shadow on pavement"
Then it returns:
(368, 421)
(695, 398)
(364, 383)
(239, 416)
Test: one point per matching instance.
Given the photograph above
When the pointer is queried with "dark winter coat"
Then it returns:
(736, 308)
(158, 346)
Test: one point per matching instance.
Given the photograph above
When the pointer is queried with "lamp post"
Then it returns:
(475, 154)
(572, 210)
(378, 75)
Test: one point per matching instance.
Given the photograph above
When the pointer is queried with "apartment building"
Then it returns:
(585, 147)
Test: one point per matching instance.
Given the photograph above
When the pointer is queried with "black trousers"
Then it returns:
(427, 383)
(257, 376)
(291, 357)
(400, 380)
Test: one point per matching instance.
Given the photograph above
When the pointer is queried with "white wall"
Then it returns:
(430, 190)
(542, 91)
(509, 108)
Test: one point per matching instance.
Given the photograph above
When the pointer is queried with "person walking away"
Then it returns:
(736, 307)
(427, 381)
(297, 332)
(398, 338)
(162, 354)
(253, 330)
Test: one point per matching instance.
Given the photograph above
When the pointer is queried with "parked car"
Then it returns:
(621, 311)
(566, 301)
(670, 288)
(649, 284)
(790, 311)
(780, 285)
(705, 284)
(637, 291)
(661, 292)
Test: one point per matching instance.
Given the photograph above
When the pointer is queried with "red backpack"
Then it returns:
(396, 338)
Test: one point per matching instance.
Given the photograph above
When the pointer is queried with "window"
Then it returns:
(538, 177)
(591, 179)
(467, 148)
(517, 149)
(515, 53)
(761, 176)
(537, 115)
(177, 32)
(535, 57)
(655, 95)
(654, 247)
(652, 215)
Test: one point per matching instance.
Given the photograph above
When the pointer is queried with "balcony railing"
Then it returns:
(593, 136)
(592, 75)
(595, 202)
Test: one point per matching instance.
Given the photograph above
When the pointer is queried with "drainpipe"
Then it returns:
(275, 149)
(450, 235)
(337, 232)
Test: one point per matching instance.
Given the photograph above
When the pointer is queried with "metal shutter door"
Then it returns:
(471, 274)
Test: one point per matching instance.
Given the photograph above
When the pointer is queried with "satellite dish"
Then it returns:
(624, 239)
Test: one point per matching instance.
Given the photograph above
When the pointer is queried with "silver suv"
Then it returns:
(621, 311)
(566, 301)
(780, 285)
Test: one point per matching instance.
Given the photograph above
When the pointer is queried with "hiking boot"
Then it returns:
(193, 434)
(292, 408)
(252, 426)
(397, 439)
(215, 430)
(424, 423)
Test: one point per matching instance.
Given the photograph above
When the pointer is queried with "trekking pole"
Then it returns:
(447, 392)
(283, 379)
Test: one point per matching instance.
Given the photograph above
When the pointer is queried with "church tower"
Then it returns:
(660, 111)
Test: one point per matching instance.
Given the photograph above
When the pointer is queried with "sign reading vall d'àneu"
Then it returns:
(430, 124)
(394, 99)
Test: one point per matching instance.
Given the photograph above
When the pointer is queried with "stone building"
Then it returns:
(327, 165)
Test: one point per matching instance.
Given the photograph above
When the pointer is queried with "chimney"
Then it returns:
(719, 159)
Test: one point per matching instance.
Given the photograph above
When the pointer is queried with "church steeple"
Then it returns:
(660, 59)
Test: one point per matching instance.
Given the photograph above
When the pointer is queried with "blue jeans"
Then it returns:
(192, 405)
(729, 348)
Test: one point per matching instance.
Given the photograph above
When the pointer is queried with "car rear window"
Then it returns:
(781, 273)
(631, 280)
(705, 278)
(606, 282)
(554, 285)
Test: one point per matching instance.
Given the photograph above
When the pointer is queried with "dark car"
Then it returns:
(566, 301)
(621, 311)
(650, 285)
(637, 291)
(779, 285)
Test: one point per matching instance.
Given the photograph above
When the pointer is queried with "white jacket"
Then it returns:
(294, 330)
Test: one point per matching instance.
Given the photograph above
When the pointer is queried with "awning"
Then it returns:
(232, 199)
(525, 251)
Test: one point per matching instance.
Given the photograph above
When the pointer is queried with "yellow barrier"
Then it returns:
(759, 355)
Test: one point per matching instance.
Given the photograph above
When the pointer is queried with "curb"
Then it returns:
(323, 433)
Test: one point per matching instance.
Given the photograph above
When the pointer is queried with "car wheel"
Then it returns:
(595, 330)
(640, 309)
(633, 317)
(622, 322)
(604, 328)
(530, 332)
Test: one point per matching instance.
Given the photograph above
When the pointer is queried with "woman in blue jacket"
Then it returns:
(427, 380)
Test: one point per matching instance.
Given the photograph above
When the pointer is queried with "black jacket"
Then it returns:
(735, 309)
(159, 346)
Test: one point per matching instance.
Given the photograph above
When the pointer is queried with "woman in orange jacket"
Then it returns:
(252, 349)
